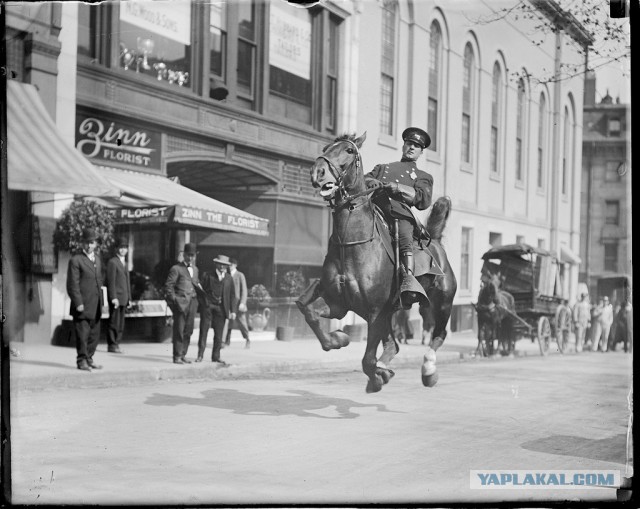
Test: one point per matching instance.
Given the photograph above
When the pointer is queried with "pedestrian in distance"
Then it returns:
(222, 306)
(84, 286)
(581, 320)
(606, 320)
(406, 186)
(180, 294)
(240, 286)
(118, 294)
(596, 324)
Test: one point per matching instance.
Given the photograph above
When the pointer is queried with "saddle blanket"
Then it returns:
(425, 263)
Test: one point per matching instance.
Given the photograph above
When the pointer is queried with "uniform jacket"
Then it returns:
(408, 174)
(84, 286)
(180, 286)
(229, 302)
(240, 285)
(118, 283)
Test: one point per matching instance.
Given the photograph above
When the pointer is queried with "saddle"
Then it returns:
(425, 262)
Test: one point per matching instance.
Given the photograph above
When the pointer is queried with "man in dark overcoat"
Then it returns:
(180, 293)
(118, 294)
(84, 286)
(406, 186)
(222, 306)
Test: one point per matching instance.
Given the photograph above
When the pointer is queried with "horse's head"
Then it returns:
(339, 168)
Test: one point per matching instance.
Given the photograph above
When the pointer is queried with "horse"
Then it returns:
(358, 273)
(495, 320)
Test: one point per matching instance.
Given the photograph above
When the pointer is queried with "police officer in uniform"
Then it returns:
(406, 186)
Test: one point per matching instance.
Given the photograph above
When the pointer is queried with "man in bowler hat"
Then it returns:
(84, 286)
(406, 186)
(180, 293)
(118, 294)
(221, 306)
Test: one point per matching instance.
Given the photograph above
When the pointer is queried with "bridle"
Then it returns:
(346, 198)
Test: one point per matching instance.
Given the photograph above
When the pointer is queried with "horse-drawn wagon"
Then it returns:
(521, 296)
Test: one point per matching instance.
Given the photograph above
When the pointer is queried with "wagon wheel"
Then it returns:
(563, 327)
(544, 334)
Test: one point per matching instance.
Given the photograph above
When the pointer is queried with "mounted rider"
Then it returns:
(406, 186)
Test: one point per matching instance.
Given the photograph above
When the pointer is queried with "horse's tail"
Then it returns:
(438, 218)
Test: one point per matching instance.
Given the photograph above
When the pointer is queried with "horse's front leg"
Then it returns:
(379, 330)
(335, 339)
(442, 303)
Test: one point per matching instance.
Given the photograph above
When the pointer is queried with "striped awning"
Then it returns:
(38, 157)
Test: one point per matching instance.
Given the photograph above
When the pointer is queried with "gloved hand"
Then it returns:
(390, 187)
(372, 183)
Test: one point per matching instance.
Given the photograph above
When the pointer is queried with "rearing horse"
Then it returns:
(358, 274)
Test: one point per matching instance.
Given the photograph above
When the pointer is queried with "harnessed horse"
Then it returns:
(494, 317)
(358, 274)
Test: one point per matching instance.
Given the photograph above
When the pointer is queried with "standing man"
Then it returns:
(240, 286)
(118, 294)
(84, 286)
(180, 291)
(406, 186)
(222, 304)
(606, 320)
(581, 320)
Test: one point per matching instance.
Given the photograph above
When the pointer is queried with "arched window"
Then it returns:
(520, 132)
(496, 115)
(542, 140)
(388, 64)
(435, 66)
(467, 103)
(567, 151)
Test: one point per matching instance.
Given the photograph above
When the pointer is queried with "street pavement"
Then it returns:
(36, 366)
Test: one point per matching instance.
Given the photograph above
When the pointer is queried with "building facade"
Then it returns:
(236, 99)
(605, 246)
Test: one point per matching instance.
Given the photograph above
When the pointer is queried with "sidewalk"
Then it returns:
(41, 366)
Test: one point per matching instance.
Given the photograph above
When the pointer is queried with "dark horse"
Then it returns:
(358, 275)
(495, 320)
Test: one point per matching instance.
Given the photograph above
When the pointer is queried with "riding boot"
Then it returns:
(410, 291)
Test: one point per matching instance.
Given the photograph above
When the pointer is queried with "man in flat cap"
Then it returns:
(406, 186)
(84, 286)
(180, 293)
(118, 294)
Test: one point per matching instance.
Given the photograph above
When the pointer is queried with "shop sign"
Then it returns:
(142, 215)
(208, 218)
(168, 19)
(115, 142)
(290, 41)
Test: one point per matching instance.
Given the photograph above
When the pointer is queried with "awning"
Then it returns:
(568, 256)
(150, 198)
(38, 158)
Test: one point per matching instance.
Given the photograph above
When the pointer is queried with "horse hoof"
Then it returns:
(385, 374)
(374, 384)
(430, 380)
(339, 339)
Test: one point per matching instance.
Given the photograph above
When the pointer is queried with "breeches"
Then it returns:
(405, 236)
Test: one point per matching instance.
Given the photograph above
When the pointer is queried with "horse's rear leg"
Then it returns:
(377, 370)
(335, 339)
(442, 305)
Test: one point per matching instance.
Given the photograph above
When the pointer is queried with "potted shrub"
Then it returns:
(81, 214)
(257, 299)
(292, 284)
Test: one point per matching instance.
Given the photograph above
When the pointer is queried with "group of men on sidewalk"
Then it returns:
(592, 323)
(220, 296)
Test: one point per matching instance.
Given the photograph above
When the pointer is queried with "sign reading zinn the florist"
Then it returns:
(191, 216)
(112, 142)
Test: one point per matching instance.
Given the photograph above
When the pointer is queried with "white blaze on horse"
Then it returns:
(359, 272)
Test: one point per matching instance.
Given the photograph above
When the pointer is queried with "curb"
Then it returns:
(144, 376)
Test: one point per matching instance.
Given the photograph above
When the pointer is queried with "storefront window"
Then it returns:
(155, 39)
(148, 267)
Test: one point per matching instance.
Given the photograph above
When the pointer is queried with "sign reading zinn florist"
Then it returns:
(114, 143)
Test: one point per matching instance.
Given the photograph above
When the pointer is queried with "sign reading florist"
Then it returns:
(171, 19)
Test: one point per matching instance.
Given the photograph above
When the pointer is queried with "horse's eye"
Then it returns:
(349, 150)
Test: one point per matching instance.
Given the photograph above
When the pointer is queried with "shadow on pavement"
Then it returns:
(71, 365)
(300, 403)
(610, 449)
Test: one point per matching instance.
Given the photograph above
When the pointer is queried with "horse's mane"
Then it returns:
(342, 137)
